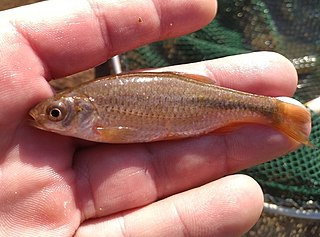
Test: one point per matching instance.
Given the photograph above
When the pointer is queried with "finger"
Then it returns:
(72, 36)
(227, 207)
(265, 73)
(112, 178)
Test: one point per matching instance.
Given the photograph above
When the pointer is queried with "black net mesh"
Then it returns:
(290, 27)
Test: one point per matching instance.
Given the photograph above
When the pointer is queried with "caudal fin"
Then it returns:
(294, 121)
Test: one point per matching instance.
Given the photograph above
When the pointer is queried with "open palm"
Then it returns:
(53, 185)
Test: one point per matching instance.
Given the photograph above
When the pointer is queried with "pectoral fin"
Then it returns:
(117, 134)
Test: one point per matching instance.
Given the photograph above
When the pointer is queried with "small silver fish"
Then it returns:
(153, 106)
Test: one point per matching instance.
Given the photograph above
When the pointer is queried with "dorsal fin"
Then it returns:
(197, 77)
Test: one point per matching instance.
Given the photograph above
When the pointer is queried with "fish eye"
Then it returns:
(56, 111)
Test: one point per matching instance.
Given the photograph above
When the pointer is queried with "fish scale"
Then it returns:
(182, 104)
(144, 107)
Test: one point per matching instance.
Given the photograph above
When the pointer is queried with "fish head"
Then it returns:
(66, 115)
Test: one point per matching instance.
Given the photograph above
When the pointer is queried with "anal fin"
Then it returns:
(230, 127)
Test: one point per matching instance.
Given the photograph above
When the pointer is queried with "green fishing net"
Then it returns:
(292, 28)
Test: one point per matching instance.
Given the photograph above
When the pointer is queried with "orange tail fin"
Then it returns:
(293, 122)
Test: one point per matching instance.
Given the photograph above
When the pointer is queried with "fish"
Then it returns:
(141, 107)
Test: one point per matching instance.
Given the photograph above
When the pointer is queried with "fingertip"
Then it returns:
(287, 73)
(188, 15)
(241, 206)
(266, 73)
(229, 206)
(208, 9)
(255, 144)
(249, 195)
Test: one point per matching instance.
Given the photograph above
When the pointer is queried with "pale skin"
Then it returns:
(51, 185)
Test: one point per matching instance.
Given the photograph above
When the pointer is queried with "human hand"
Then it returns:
(53, 185)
